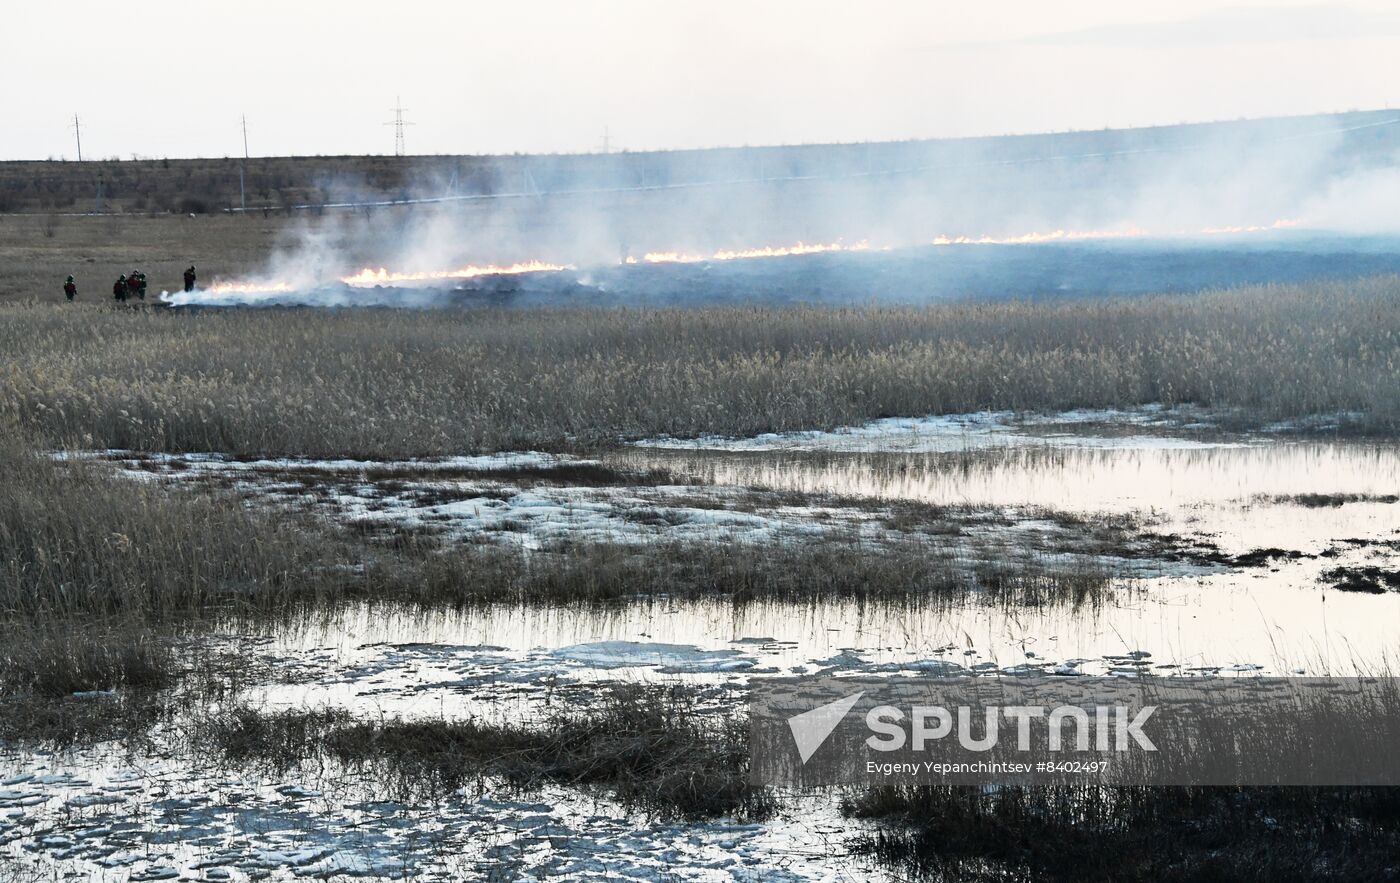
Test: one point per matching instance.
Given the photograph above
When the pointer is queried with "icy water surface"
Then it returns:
(1317, 505)
(1294, 521)
(91, 815)
(1302, 531)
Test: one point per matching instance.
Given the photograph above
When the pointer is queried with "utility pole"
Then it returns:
(77, 133)
(242, 194)
(606, 146)
(398, 123)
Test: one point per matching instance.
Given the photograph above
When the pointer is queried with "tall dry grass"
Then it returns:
(75, 541)
(654, 748)
(1074, 833)
(100, 577)
(399, 383)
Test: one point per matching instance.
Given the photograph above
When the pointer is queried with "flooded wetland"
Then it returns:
(1165, 544)
(499, 618)
(892, 452)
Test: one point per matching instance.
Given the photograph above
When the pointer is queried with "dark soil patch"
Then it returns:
(563, 474)
(1369, 579)
(1321, 501)
(1265, 557)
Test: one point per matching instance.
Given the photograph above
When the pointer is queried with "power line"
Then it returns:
(398, 123)
(606, 146)
(531, 190)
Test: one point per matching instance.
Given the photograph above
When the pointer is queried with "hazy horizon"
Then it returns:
(621, 150)
(549, 76)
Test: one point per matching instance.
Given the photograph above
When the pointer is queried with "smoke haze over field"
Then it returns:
(1319, 173)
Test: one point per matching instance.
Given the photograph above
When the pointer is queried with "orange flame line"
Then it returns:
(369, 277)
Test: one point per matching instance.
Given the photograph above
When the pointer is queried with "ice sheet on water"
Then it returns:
(670, 658)
(938, 433)
(949, 433)
(244, 828)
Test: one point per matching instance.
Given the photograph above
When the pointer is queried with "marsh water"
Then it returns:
(1287, 514)
(1319, 504)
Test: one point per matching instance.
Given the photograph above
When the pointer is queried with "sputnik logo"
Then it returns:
(811, 728)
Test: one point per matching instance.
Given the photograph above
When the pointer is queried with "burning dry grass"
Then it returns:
(98, 249)
(403, 384)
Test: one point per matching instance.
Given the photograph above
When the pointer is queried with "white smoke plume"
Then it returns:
(1339, 173)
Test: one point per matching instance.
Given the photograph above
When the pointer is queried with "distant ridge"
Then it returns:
(1364, 138)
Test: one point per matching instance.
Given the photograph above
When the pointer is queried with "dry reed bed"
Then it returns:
(75, 540)
(1128, 833)
(401, 384)
(653, 748)
(82, 549)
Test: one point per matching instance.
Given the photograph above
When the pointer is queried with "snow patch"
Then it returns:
(670, 658)
(951, 433)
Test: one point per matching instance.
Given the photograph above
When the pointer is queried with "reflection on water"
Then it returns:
(1228, 621)
(1281, 616)
(1242, 498)
(1071, 479)
(1317, 505)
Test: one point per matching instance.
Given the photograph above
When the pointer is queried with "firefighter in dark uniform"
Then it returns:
(189, 278)
(119, 289)
(70, 289)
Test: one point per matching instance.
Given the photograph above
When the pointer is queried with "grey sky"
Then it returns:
(159, 78)
(1237, 25)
